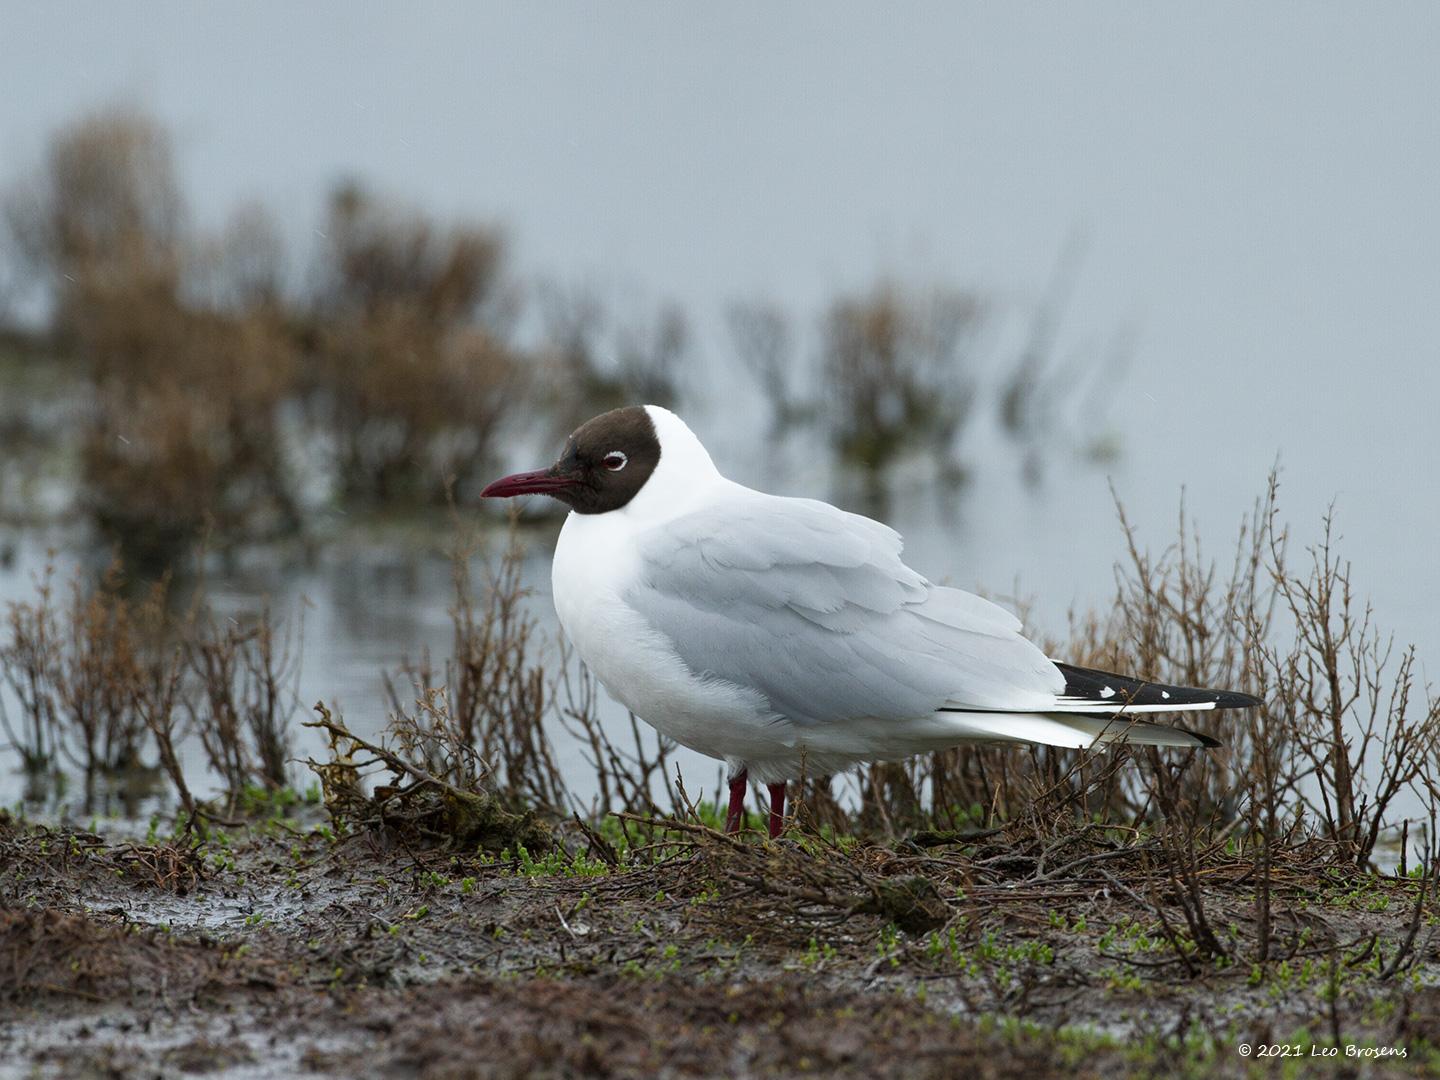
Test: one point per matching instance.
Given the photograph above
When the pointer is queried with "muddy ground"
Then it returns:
(280, 950)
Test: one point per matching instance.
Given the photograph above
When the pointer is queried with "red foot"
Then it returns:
(777, 809)
(738, 783)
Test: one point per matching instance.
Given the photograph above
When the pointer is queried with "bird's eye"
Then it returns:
(615, 461)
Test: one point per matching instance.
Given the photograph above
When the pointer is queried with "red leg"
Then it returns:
(777, 809)
(738, 783)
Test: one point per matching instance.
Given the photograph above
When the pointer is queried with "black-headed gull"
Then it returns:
(785, 635)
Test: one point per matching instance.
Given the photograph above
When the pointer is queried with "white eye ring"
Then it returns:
(615, 461)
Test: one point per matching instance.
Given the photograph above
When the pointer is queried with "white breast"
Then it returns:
(594, 562)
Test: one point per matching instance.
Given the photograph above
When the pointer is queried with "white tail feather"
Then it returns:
(1077, 732)
(1120, 711)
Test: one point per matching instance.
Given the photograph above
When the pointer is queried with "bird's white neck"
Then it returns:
(684, 476)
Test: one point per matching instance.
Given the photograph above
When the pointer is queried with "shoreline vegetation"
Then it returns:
(435, 900)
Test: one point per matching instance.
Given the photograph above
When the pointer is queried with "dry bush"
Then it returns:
(490, 718)
(1345, 729)
(28, 658)
(898, 372)
(510, 708)
(159, 694)
(96, 685)
(627, 769)
(496, 695)
(1342, 734)
(453, 806)
(471, 755)
(102, 677)
(413, 369)
(197, 350)
(382, 256)
(242, 268)
(75, 669)
(1361, 727)
(243, 697)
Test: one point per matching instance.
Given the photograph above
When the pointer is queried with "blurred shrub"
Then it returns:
(185, 427)
(595, 362)
(195, 347)
(388, 372)
(764, 340)
(899, 374)
(104, 210)
(241, 268)
(414, 369)
(182, 429)
(1045, 404)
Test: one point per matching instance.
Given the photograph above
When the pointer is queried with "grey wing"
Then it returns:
(813, 607)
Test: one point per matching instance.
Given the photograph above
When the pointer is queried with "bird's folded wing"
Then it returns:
(813, 607)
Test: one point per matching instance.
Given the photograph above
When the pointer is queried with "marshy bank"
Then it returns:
(277, 950)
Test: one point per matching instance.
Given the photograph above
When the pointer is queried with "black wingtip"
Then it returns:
(1205, 741)
(1234, 699)
(1110, 688)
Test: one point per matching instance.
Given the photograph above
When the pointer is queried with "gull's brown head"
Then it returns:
(605, 463)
